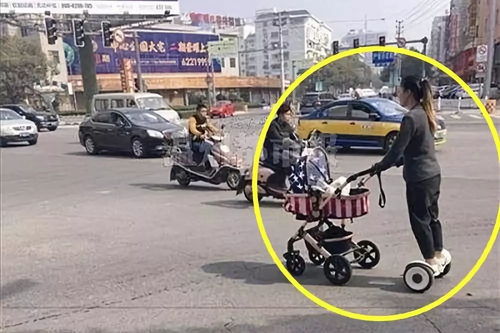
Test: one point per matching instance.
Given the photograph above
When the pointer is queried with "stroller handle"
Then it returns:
(355, 176)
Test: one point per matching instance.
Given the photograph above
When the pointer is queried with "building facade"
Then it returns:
(364, 38)
(304, 38)
(438, 39)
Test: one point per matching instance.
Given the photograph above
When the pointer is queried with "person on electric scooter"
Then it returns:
(414, 148)
(200, 129)
(280, 147)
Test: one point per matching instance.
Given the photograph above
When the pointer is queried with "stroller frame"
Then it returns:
(337, 268)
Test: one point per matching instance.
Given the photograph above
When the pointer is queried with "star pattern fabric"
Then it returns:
(309, 171)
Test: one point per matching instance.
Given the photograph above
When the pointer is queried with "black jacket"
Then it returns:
(414, 148)
(281, 146)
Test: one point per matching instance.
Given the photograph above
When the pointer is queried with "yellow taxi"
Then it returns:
(366, 122)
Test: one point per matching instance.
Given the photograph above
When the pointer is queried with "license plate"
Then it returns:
(24, 135)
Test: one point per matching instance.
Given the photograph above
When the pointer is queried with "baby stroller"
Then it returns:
(315, 198)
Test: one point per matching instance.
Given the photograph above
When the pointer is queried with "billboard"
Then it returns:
(160, 52)
(202, 20)
(99, 7)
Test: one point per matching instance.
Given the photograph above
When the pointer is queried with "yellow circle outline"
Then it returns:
(260, 223)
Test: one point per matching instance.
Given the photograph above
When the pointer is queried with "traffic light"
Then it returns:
(51, 30)
(381, 41)
(107, 35)
(335, 47)
(356, 43)
(79, 32)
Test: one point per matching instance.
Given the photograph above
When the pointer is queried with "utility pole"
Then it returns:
(491, 47)
(89, 78)
(425, 40)
(399, 32)
(138, 68)
(279, 24)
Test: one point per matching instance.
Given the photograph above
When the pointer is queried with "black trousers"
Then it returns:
(422, 198)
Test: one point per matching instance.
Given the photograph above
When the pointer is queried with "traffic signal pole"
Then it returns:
(138, 68)
(89, 78)
(491, 48)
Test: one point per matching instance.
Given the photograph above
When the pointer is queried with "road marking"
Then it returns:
(454, 116)
(104, 192)
(475, 116)
(497, 116)
(382, 283)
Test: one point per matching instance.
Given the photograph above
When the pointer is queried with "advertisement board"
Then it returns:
(99, 7)
(160, 52)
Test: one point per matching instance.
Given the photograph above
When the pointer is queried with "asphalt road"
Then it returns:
(108, 244)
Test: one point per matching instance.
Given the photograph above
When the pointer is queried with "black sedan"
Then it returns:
(130, 130)
(42, 120)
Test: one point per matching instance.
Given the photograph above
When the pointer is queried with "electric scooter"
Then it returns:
(224, 166)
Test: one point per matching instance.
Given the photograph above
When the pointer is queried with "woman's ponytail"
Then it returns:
(426, 101)
(422, 92)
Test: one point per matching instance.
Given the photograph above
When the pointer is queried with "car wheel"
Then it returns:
(33, 142)
(389, 141)
(138, 148)
(90, 145)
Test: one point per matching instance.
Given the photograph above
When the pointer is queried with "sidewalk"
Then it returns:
(77, 120)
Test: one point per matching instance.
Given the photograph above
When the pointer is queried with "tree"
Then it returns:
(22, 64)
(409, 66)
(339, 75)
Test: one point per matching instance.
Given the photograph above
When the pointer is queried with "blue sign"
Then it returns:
(382, 59)
(160, 52)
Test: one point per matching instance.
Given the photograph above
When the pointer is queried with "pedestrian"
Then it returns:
(414, 148)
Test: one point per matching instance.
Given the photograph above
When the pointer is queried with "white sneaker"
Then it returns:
(444, 261)
(437, 268)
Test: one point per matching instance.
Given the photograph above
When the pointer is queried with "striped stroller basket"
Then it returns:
(355, 205)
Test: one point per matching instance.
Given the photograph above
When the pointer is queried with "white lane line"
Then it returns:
(475, 116)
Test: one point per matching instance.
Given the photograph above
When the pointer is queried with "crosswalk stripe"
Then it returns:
(497, 116)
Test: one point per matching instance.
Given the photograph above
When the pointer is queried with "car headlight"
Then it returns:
(39, 117)
(155, 134)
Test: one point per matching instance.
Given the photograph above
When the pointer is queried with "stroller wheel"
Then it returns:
(418, 277)
(368, 256)
(337, 269)
(295, 264)
(316, 258)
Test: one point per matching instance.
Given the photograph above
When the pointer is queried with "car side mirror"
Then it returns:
(374, 116)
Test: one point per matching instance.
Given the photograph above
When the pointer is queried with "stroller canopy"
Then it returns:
(312, 170)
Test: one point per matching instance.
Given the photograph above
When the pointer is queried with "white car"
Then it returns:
(14, 128)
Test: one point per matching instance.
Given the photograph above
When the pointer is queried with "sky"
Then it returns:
(417, 14)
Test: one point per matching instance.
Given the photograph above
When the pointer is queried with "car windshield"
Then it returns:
(387, 107)
(154, 103)
(28, 109)
(145, 118)
(8, 115)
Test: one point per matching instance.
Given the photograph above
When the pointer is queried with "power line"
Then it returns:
(418, 9)
(418, 20)
(435, 7)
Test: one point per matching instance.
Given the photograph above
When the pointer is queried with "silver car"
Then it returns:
(14, 128)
